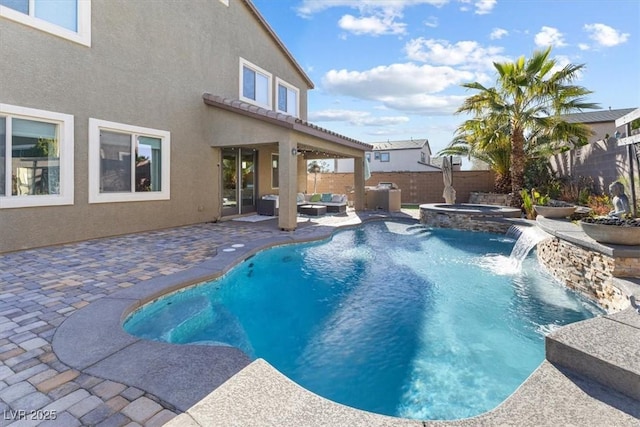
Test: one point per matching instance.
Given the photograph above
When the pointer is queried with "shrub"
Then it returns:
(600, 205)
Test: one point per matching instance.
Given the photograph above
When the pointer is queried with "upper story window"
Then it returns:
(69, 19)
(423, 157)
(127, 163)
(255, 84)
(385, 157)
(288, 96)
(36, 157)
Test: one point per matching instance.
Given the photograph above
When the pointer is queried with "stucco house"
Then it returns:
(123, 116)
(413, 155)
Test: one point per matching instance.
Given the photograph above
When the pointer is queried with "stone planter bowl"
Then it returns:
(613, 234)
(554, 211)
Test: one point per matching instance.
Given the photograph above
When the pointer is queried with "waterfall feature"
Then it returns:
(527, 237)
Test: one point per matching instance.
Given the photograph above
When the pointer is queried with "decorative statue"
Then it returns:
(620, 200)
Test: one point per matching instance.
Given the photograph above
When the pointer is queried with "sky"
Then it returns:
(393, 69)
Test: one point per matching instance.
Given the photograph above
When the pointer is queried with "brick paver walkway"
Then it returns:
(40, 288)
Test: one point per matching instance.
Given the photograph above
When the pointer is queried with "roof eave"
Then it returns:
(283, 120)
(279, 42)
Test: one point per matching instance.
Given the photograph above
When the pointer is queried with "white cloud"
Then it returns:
(605, 36)
(373, 25)
(425, 103)
(498, 33)
(465, 54)
(484, 6)
(431, 22)
(583, 46)
(376, 17)
(549, 36)
(404, 87)
(394, 80)
(357, 118)
(310, 7)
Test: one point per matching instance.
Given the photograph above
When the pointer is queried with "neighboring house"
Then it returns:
(124, 116)
(456, 162)
(602, 160)
(412, 155)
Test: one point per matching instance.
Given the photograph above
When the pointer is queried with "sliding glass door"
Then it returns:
(238, 181)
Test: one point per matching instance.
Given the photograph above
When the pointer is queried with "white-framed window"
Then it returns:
(36, 157)
(69, 19)
(275, 170)
(128, 163)
(288, 97)
(255, 84)
(385, 157)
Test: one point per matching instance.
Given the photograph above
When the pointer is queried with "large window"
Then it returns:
(36, 157)
(255, 84)
(69, 19)
(287, 98)
(127, 163)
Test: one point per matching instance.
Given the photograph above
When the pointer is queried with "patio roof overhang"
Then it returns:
(245, 125)
(311, 139)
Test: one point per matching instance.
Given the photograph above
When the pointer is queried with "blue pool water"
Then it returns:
(391, 318)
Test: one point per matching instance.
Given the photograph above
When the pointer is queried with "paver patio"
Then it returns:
(40, 288)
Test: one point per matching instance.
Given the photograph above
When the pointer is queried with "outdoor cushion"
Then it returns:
(315, 198)
(326, 197)
(300, 198)
(337, 198)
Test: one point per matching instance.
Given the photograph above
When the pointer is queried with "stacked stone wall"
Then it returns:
(462, 221)
(587, 271)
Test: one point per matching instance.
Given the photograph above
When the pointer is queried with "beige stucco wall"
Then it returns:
(149, 64)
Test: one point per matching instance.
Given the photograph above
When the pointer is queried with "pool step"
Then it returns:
(605, 349)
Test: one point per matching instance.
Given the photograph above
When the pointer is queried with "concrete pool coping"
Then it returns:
(240, 392)
(474, 209)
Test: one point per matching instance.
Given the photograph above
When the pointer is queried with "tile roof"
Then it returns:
(597, 116)
(400, 145)
(283, 120)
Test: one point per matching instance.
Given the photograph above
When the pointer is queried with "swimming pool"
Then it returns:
(392, 318)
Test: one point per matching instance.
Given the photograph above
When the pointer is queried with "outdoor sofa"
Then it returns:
(335, 203)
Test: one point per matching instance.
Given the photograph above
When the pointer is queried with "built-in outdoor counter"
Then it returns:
(383, 198)
(588, 266)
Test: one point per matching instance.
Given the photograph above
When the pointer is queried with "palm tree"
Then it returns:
(527, 104)
(480, 139)
(314, 167)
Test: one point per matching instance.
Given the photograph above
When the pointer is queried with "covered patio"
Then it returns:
(294, 141)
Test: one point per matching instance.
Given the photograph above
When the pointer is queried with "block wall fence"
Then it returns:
(417, 187)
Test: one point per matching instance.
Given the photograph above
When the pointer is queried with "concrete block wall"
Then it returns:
(417, 187)
(497, 199)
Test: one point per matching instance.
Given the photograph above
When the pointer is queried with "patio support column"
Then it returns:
(288, 182)
(358, 183)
